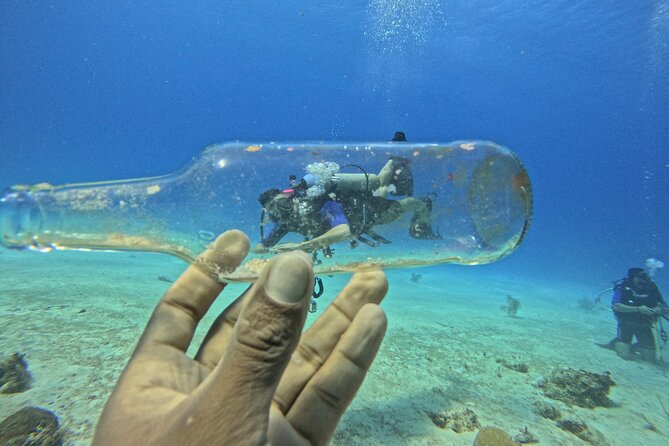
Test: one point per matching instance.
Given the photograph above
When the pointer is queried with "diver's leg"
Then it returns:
(386, 210)
(623, 344)
(648, 355)
(608, 345)
(647, 337)
(395, 177)
(386, 173)
(421, 223)
(384, 176)
(411, 204)
(383, 211)
(623, 350)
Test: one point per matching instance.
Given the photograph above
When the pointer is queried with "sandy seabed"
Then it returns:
(77, 316)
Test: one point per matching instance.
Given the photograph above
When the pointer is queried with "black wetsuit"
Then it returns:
(312, 219)
(360, 211)
(365, 211)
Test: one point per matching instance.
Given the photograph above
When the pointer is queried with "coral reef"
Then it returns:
(578, 388)
(462, 421)
(546, 410)
(493, 436)
(512, 306)
(14, 374)
(30, 426)
(582, 431)
(525, 437)
(519, 367)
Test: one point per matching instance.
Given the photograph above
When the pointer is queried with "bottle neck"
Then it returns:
(93, 216)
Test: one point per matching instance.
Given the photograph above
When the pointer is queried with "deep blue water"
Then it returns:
(94, 90)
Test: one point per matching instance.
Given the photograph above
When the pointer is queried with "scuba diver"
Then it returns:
(327, 206)
(638, 307)
(399, 137)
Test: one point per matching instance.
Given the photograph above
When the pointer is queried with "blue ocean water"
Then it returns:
(101, 90)
(96, 90)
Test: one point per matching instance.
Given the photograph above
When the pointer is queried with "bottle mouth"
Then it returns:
(20, 220)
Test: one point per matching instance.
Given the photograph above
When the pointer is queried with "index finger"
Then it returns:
(174, 320)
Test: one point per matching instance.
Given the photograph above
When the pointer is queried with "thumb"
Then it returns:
(239, 391)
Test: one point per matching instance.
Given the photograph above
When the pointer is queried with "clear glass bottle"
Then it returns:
(404, 205)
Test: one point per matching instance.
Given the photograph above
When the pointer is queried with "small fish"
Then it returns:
(165, 279)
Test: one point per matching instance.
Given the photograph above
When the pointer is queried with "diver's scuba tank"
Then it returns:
(355, 182)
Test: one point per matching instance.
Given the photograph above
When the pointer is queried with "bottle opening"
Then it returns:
(20, 220)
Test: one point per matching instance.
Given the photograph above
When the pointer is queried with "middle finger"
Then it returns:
(319, 341)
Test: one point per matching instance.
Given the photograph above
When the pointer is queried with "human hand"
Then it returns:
(243, 386)
(661, 310)
(646, 310)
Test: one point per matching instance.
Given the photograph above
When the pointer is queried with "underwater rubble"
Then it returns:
(31, 426)
(14, 374)
(579, 388)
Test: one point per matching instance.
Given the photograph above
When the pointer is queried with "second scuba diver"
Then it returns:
(638, 306)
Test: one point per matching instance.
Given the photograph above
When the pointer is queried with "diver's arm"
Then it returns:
(661, 310)
(275, 235)
(643, 309)
(622, 308)
(334, 235)
(332, 213)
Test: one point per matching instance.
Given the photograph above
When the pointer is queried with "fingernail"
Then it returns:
(287, 281)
